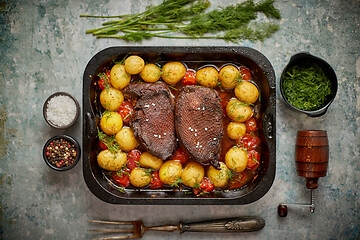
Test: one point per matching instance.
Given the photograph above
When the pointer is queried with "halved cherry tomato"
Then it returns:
(245, 73)
(251, 125)
(238, 180)
(104, 80)
(122, 177)
(253, 159)
(249, 141)
(125, 110)
(102, 145)
(189, 78)
(181, 156)
(206, 186)
(155, 181)
(133, 159)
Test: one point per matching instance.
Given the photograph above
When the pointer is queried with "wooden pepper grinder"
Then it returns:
(311, 158)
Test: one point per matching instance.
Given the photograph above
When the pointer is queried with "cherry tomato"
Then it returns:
(206, 186)
(238, 180)
(189, 78)
(125, 110)
(245, 73)
(249, 141)
(181, 156)
(155, 181)
(122, 177)
(251, 125)
(253, 159)
(133, 159)
(102, 145)
(104, 80)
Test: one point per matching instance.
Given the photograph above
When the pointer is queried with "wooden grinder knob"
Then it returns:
(312, 156)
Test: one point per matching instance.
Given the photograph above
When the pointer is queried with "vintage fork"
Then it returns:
(229, 225)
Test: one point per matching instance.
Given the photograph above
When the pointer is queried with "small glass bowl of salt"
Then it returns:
(61, 110)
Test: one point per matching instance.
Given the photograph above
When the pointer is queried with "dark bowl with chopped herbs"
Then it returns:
(61, 152)
(308, 84)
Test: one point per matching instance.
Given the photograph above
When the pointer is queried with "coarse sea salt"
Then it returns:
(61, 110)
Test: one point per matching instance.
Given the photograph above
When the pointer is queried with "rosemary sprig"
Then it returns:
(187, 17)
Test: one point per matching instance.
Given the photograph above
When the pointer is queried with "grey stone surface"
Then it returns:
(44, 49)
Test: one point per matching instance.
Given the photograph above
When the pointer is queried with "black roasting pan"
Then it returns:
(263, 72)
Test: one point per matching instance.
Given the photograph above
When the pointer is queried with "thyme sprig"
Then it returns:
(186, 19)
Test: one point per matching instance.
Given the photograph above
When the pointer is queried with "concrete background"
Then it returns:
(44, 49)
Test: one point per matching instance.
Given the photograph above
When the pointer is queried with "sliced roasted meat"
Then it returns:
(198, 122)
(153, 118)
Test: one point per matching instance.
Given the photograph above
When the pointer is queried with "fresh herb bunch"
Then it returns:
(306, 87)
(188, 17)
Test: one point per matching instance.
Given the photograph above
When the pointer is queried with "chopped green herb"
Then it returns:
(177, 182)
(306, 87)
(109, 141)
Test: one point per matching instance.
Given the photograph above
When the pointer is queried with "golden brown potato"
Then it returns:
(111, 161)
(246, 92)
(119, 78)
(134, 64)
(236, 130)
(111, 99)
(126, 139)
(140, 177)
(229, 76)
(219, 177)
(173, 72)
(111, 123)
(151, 73)
(236, 159)
(238, 111)
(192, 174)
(207, 77)
(170, 172)
(150, 161)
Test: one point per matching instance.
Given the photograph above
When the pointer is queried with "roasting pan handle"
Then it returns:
(268, 125)
(90, 128)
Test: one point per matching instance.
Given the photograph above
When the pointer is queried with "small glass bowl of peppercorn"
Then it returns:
(308, 84)
(61, 152)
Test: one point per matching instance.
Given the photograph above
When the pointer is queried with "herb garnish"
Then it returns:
(306, 87)
(109, 141)
(233, 23)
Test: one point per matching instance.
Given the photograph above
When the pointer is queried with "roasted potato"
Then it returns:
(207, 77)
(140, 177)
(170, 172)
(238, 111)
(150, 161)
(111, 161)
(236, 159)
(126, 139)
(134, 64)
(192, 174)
(111, 123)
(246, 92)
(151, 73)
(119, 78)
(173, 72)
(111, 99)
(229, 76)
(219, 177)
(236, 130)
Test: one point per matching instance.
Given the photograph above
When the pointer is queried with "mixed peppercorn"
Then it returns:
(61, 153)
